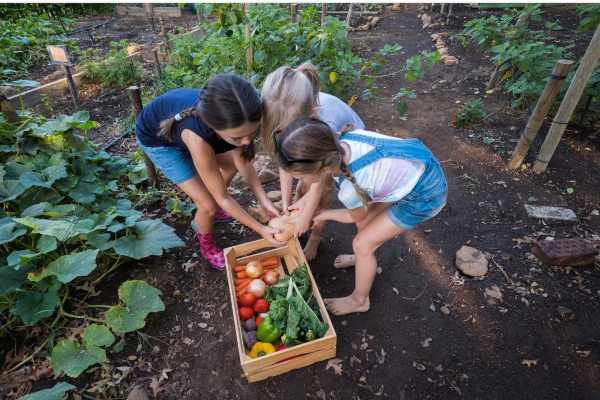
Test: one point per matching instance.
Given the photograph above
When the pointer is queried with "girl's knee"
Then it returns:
(361, 245)
(206, 209)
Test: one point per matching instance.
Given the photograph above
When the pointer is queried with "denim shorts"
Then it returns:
(174, 162)
(409, 213)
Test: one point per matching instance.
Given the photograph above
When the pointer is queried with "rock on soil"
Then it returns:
(137, 394)
(544, 212)
(444, 310)
(397, 7)
(257, 211)
(471, 261)
(275, 195)
(266, 176)
(563, 310)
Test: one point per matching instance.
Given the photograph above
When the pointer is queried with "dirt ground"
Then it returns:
(495, 323)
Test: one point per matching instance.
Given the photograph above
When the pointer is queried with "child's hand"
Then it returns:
(301, 225)
(267, 232)
(317, 217)
(285, 206)
(299, 205)
(270, 210)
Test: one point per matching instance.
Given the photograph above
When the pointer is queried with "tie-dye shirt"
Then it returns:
(386, 180)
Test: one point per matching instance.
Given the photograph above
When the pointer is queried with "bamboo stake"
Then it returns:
(294, 11)
(524, 20)
(137, 106)
(561, 119)
(349, 18)
(156, 64)
(323, 12)
(8, 110)
(250, 51)
(561, 69)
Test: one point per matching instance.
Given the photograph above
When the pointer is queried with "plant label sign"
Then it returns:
(59, 55)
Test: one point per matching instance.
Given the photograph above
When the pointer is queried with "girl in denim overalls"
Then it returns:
(388, 185)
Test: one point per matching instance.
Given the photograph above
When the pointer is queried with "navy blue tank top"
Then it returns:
(165, 107)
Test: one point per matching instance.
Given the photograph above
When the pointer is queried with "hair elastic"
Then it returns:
(178, 117)
(301, 68)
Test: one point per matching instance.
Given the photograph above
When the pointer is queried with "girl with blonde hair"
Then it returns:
(289, 94)
(389, 186)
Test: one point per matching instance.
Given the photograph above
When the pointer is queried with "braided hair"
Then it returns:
(313, 139)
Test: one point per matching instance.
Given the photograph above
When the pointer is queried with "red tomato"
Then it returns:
(246, 313)
(259, 319)
(261, 306)
(247, 300)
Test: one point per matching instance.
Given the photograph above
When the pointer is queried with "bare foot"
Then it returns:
(345, 261)
(310, 250)
(346, 305)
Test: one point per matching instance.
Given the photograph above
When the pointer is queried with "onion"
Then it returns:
(271, 277)
(257, 287)
(254, 269)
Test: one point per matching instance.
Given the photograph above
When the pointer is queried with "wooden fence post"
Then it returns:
(8, 110)
(164, 34)
(136, 105)
(323, 12)
(449, 13)
(561, 119)
(349, 18)
(156, 64)
(561, 69)
(455, 71)
(294, 11)
(250, 51)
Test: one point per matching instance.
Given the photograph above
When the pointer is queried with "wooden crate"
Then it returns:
(266, 366)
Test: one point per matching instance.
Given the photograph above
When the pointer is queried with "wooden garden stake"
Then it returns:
(72, 86)
(561, 119)
(136, 105)
(323, 12)
(449, 13)
(156, 64)
(524, 20)
(349, 18)
(455, 71)
(164, 34)
(250, 51)
(561, 69)
(362, 9)
(294, 11)
(8, 110)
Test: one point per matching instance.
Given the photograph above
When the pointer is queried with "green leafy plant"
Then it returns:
(63, 219)
(569, 190)
(276, 41)
(115, 70)
(532, 199)
(469, 114)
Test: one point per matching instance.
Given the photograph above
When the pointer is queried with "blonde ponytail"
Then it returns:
(362, 193)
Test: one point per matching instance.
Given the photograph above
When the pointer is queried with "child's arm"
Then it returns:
(342, 215)
(246, 169)
(206, 164)
(307, 209)
(287, 185)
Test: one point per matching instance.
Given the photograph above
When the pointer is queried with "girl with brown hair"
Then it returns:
(199, 139)
(289, 94)
(389, 185)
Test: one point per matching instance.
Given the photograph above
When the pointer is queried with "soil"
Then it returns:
(478, 350)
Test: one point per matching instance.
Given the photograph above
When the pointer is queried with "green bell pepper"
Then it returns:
(267, 332)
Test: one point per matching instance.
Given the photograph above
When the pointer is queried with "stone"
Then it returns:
(374, 22)
(266, 176)
(445, 33)
(425, 26)
(563, 310)
(397, 7)
(426, 19)
(471, 261)
(564, 252)
(447, 57)
(449, 63)
(419, 16)
(445, 310)
(58, 74)
(257, 211)
(435, 37)
(274, 195)
(595, 212)
(133, 49)
(545, 212)
(443, 51)
(137, 394)
(279, 205)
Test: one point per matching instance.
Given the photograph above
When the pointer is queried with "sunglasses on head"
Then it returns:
(285, 160)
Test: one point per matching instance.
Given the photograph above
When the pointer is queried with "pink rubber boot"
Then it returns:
(222, 216)
(209, 250)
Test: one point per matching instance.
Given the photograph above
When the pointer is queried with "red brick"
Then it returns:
(564, 252)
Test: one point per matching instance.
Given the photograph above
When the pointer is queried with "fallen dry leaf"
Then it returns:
(439, 368)
(426, 342)
(420, 367)
(156, 386)
(362, 379)
(178, 294)
(335, 363)
(188, 341)
(500, 183)
(89, 289)
(188, 265)
(529, 362)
